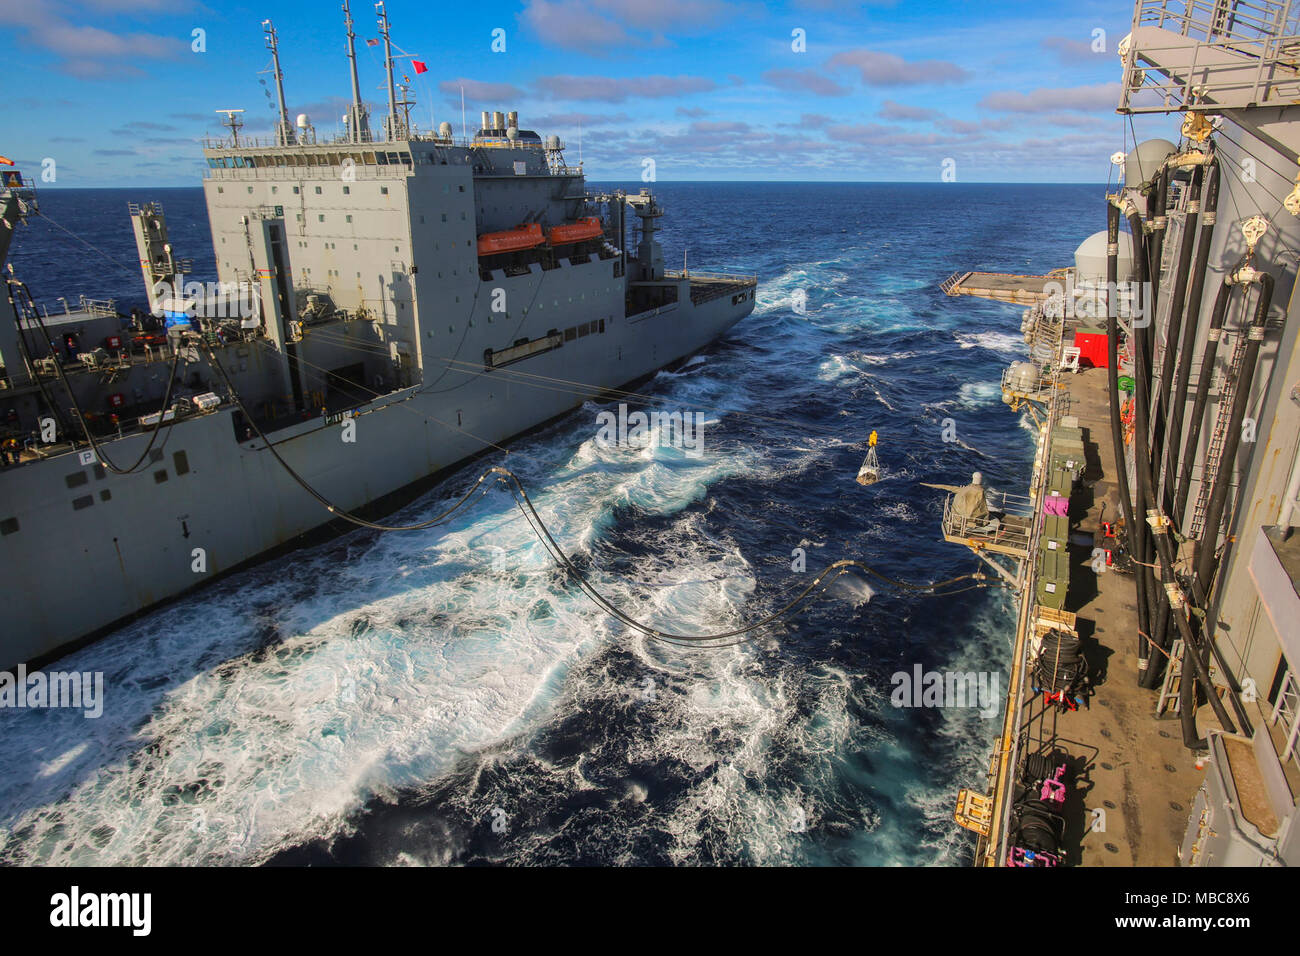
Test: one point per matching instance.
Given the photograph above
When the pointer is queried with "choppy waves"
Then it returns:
(448, 697)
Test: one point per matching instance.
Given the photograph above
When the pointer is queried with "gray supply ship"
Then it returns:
(1164, 378)
(391, 302)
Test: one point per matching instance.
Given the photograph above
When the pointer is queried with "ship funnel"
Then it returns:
(498, 120)
(487, 120)
(512, 120)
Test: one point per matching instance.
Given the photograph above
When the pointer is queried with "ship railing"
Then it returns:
(737, 278)
(296, 173)
(1040, 391)
(1005, 528)
(1220, 19)
(1219, 52)
(258, 142)
(99, 307)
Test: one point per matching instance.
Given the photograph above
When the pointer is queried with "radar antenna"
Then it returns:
(233, 123)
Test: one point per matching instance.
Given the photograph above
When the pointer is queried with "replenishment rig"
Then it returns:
(1154, 716)
(391, 302)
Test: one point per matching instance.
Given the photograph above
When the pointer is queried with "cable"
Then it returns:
(527, 509)
(401, 403)
(832, 571)
(329, 506)
(581, 388)
(93, 248)
(80, 415)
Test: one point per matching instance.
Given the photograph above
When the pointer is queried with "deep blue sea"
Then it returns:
(447, 697)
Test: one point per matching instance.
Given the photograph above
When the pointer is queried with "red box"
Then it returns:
(1091, 344)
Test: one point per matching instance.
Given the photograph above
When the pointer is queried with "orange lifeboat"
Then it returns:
(512, 240)
(589, 228)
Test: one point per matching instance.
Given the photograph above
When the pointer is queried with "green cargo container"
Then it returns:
(1062, 481)
(1068, 464)
(1067, 446)
(1054, 566)
(1056, 533)
(1051, 594)
(1053, 578)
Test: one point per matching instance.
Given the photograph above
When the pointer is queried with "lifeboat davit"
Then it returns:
(589, 228)
(511, 240)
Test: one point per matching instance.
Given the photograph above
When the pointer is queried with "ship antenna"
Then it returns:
(392, 126)
(463, 131)
(284, 135)
(233, 123)
(358, 116)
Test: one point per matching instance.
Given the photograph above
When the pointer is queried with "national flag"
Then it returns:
(6, 161)
(419, 66)
(370, 42)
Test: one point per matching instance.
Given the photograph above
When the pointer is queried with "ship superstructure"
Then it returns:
(1163, 376)
(390, 302)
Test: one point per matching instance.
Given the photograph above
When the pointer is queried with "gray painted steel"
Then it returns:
(379, 265)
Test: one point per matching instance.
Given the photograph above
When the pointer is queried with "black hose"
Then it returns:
(1160, 543)
(1232, 439)
(1177, 308)
(1207, 558)
(10, 285)
(1157, 219)
(1212, 336)
(1142, 469)
(1116, 426)
(1173, 330)
(1158, 615)
(1178, 405)
(1147, 597)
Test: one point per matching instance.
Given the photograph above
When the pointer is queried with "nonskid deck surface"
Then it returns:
(1132, 768)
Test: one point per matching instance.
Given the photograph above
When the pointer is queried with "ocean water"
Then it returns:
(448, 697)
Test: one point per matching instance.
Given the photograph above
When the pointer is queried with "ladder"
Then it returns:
(1214, 453)
(1173, 678)
(1177, 222)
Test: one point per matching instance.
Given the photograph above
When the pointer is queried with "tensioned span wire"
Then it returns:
(571, 386)
(399, 403)
(526, 508)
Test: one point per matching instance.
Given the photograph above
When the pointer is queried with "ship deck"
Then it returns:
(1131, 766)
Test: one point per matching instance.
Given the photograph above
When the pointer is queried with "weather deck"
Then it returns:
(1125, 762)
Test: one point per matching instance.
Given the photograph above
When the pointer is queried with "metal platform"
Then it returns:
(1210, 54)
(1006, 531)
(1005, 287)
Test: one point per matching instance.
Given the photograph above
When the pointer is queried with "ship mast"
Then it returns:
(284, 135)
(358, 115)
(393, 128)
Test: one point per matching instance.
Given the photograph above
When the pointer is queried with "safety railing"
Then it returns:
(711, 276)
(1006, 527)
(1219, 52)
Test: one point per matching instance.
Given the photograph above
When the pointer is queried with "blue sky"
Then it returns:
(1010, 91)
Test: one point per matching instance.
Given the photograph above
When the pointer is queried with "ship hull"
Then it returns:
(92, 549)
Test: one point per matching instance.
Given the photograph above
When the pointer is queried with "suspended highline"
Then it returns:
(506, 477)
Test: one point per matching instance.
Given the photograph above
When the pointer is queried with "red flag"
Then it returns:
(419, 66)
(370, 42)
(6, 161)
